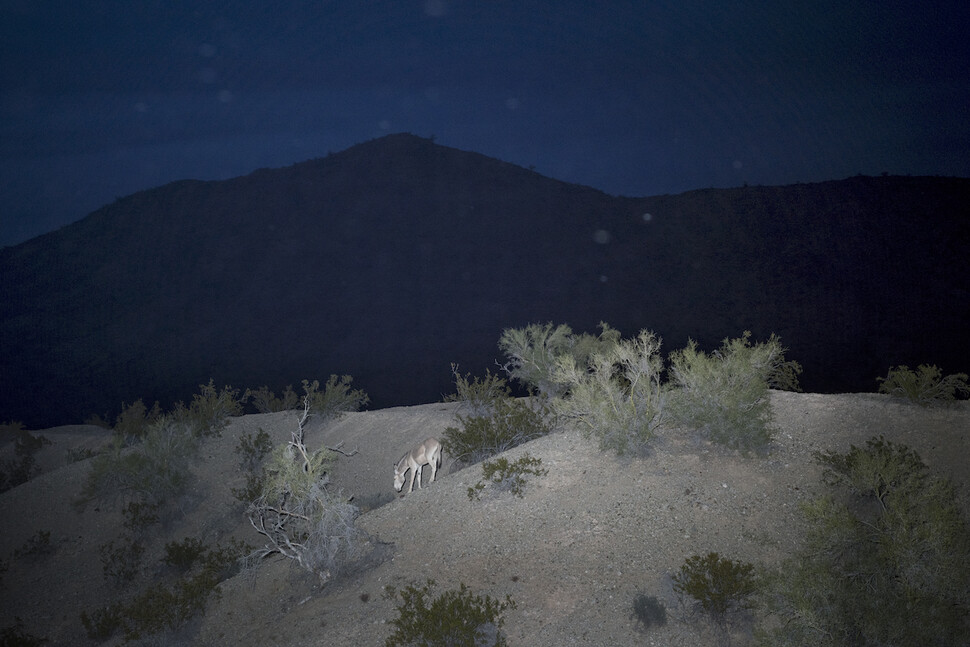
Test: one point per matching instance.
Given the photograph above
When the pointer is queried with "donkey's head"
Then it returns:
(400, 471)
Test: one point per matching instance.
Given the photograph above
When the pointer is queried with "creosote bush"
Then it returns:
(720, 586)
(617, 395)
(925, 386)
(725, 394)
(23, 467)
(167, 606)
(452, 619)
(337, 397)
(505, 476)
(509, 423)
(298, 515)
(265, 401)
(477, 396)
(884, 561)
(534, 352)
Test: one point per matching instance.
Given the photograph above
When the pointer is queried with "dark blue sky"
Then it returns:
(102, 99)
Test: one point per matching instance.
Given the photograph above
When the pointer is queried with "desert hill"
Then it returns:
(573, 552)
(394, 258)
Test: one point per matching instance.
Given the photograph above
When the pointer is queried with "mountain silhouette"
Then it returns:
(395, 258)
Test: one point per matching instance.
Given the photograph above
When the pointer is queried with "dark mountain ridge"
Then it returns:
(394, 258)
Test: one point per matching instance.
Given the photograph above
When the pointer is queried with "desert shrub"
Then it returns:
(925, 386)
(725, 394)
(719, 586)
(182, 555)
(37, 545)
(210, 409)
(477, 396)
(617, 395)
(167, 606)
(23, 467)
(265, 401)
(153, 472)
(337, 397)
(78, 454)
(505, 476)
(534, 351)
(133, 422)
(648, 611)
(121, 560)
(17, 636)
(511, 422)
(102, 623)
(884, 559)
(452, 619)
(253, 449)
(298, 515)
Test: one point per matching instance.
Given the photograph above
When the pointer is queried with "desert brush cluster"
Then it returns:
(884, 560)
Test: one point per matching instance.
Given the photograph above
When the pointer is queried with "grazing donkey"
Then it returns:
(427, 453)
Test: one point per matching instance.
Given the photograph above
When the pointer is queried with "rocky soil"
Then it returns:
(573, 553)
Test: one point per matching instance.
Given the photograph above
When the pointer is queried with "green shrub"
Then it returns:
(533, 353)
(337, 397)
(133, 422)
(16, 636)
(38, 545)
(183, 555)
(925, 386)
(725, 394)
(210, 409)
(265, 401)
(253, 450)
(648, 611)
(452, 619)
(506, 476)
(720, 586)
(121, 560)
(478, 396)
(168, 606)
(298, 515)
(101, 624)
(153, 472)
(884, 561)
(617, 395)
(17, 471)
(510, 423)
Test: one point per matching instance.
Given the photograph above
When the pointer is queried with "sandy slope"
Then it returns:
(573, 553)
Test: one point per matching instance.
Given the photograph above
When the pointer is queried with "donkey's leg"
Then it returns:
(414, 472)
(434, 467)
(420, 469)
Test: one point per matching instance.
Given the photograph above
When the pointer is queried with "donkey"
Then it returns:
(427, 453)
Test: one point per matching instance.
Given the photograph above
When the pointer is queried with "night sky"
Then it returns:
(102, 99)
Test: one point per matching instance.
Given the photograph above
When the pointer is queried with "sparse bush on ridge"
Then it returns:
(725, 394)
(534, 351)
(477, 396)
(925, 386)
(134, 421)
(884, 561)
(720, 586)
(617, 395)
(17, 471)
(265, 401)
(298, 516)
(452, 619)
(505, 476)
(510, 423)
(167, 606)
(337, 397)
